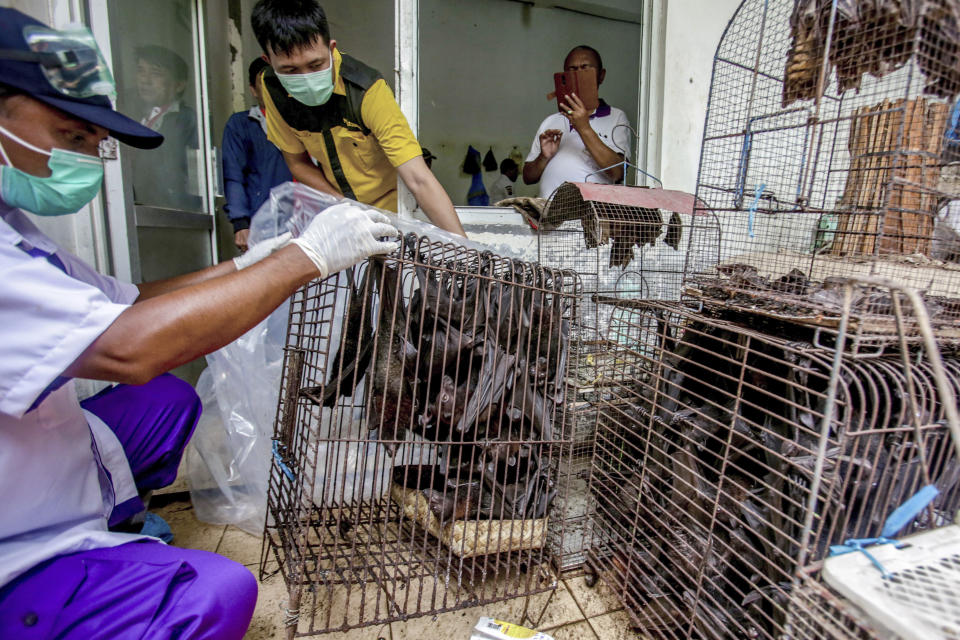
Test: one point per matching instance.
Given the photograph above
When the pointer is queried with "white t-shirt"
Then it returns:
(573, 162)
(55, 490)
(501, 189)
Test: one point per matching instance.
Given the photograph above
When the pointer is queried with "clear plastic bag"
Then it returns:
(229, 457)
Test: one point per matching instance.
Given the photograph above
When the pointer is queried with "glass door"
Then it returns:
(157, 54)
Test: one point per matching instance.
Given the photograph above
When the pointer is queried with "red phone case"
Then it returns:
(582, 82)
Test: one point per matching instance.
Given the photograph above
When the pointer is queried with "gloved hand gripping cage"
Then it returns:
(419, 434)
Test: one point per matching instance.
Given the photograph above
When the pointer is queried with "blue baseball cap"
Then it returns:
(67, 73)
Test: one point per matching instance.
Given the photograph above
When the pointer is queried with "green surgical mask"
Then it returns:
(312, 89)
(74, 181)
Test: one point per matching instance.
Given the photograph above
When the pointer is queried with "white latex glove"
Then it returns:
(261, 250)
(345, 234)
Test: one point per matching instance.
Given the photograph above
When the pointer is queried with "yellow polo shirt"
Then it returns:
(368, 162)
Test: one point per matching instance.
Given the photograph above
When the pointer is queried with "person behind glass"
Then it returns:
(164, 179)
(578, 141)
(72, 472)
(252, 165)
(326, 105)
(502, 188)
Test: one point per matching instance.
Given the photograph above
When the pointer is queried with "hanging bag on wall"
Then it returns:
(471, 162)
(489, 162)
(517, 156)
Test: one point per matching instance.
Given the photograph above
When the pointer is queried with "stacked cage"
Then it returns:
(792, 399)
(623, 242)
(828, 152)
(730, 459)
(419, 437)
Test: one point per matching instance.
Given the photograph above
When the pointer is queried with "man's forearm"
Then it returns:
(169, 330)
(159, 287)
(313, 177)
(303, 170)
(603, 155)
(430, 195)
(532, 171)
(439, 209)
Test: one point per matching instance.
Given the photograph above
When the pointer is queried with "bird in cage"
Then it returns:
(674, 231)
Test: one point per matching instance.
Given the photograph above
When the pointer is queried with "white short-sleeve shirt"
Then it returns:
(573, 162)
(54, 491)
(501, 189)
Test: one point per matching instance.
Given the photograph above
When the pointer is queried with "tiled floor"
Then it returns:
(573, 612)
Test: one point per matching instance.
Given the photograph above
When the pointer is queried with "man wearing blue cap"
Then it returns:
(71, 471)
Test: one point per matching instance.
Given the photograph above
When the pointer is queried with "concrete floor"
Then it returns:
(573, 612)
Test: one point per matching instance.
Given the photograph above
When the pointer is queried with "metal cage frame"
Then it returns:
(730, 459)
(359, 542)
(824, 156)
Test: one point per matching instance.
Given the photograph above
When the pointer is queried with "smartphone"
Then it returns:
(582, 82)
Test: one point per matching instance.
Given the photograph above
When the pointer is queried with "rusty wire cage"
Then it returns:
(420, 437)
(729, 459)
(816, 612)
(623, 242)
(828, 152)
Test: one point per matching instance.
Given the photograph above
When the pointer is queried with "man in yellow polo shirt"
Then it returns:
(324, 105)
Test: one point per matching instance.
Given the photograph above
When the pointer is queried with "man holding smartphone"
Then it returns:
(582, 138)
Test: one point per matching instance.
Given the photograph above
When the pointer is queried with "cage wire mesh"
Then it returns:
(616, 245)
(728, 460)
(817, 612)
(620, 250)
(420, 436)
(828, 152)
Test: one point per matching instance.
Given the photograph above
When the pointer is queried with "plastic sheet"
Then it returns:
(301, 203)
(228, 459)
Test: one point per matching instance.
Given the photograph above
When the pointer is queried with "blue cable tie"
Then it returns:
(901, 517)
(753, 207)
(280, 463)
(860, 544)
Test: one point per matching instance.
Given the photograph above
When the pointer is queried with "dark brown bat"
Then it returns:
(442, 346)
(355, 349)
(455, 502)
(414, 476)
(534, 408)
(674, 231)
(392, 402)
(451, 401)
(638, 227)
(495, 377)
